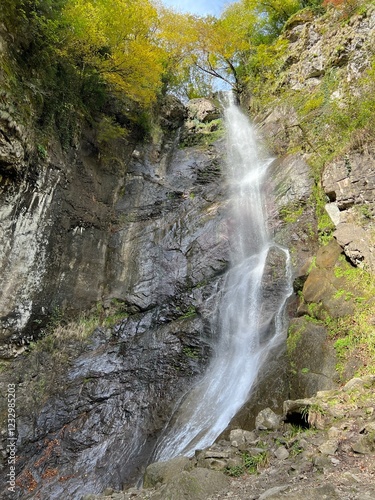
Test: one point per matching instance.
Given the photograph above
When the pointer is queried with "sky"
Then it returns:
(201, 7)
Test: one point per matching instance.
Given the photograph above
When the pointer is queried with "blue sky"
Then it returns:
(201, 7)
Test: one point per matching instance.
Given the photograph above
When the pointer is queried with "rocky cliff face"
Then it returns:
(57, 210)
(157, 255)
(158, 262)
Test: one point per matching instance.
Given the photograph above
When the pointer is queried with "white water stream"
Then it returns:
(242, 345)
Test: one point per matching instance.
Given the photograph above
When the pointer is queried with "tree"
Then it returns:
(200, 49)
(117, 39)
(221, 48)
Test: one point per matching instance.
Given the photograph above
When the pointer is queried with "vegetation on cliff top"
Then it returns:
(77, 55)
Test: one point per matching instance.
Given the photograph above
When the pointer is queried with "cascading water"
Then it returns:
(245, 314)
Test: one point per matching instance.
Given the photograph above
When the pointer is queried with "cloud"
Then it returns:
(201, 7)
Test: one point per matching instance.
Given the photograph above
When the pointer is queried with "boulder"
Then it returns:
(357, 245)
(350, 179)
(242, 439)
(281, 453)
(329, 447)
(162, 472)
(198, 484)
(307, 343)
(203, 110)
(267, 420)
(172, 112)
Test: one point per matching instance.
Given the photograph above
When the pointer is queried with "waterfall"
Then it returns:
(245, 315)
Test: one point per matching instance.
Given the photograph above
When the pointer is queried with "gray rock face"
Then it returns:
(173, 231)
(13, 147)
(291, 217)
(350, 180)
(357, 245)
(347, 49)
(54, 218)
(163, 261)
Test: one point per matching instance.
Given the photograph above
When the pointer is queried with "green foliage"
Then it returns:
(354, 335)
(108, 131)
(42, 152)
(190, 352)
(253, 463)
(190, 313)
(118, 39)
(235, 471)
(325, 224)
(260, 67)
(76, 56)
(294, 336)
(203, 133)
(290, 213)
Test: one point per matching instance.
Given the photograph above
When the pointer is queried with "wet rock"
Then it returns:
(55, 219)
(289, 213)
(275, 288)
(269, 390)
(290, 177)
(279, 127)
(163, 264)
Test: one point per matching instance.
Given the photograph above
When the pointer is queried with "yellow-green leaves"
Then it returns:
(117, 39)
